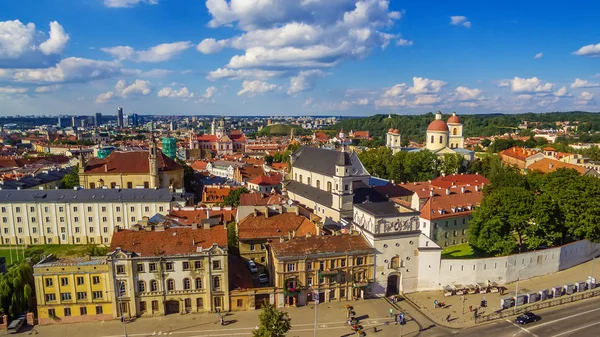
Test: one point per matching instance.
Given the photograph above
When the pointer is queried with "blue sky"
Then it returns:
(304, 57)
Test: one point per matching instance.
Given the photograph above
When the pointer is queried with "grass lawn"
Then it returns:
(462, 251)
(61, 251)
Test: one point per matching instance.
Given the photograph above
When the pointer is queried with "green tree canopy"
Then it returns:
(16, 289)
(71, 179)
(273, 322)
(233, 198)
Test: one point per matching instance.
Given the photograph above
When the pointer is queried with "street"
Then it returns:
(579, 319)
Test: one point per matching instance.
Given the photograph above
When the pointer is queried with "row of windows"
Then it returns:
(51, 241)
(81, 296)
(435, 225)
(187, 284)
(76, 209)
(357, 262)
(318, 185)
(170, 266)
(67, 311)
(322, 265)
(49, 230)
(64, 281)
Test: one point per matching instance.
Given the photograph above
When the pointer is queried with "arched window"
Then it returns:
(441, 139)
(170, 285)
(198, 283)
(455, 131)
(431, 139)
(141, 286)
(300, 178)
(187, 284)
(329, 186)
(153, 285)
(308, 181)
(318, 184)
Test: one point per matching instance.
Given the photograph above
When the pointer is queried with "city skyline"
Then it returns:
(277, 58)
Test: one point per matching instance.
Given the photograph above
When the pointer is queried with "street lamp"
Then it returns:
(316, 298)
(517, 287)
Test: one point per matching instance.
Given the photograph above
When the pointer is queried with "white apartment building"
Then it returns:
(77, 216)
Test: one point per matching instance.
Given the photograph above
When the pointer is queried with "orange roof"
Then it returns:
(259, 199)
(457, 203)
(216, 193)
(280, 166)
(187, 217)
(129, 162)
(321, 136)
(207, 138)
(548, 148)
(361, 134)
(518, 153)
(251, 171)
(266, 180)
(437, 125)
(199, 165)
(172, 241)
(302, 246)
(259, 226)
(548, 165)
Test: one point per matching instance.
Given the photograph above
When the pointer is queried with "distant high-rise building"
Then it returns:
(74, 122)
(135, 119)
(173, 126)
(98, 119)
(120, 117)
(60, 122)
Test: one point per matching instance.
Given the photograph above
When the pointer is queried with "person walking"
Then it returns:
(222, 320)
(448, 318)
(435, 304)
(401, 319)
(391, 312)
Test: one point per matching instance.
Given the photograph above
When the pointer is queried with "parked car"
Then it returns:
(527, 317)
(263, 279)
(252, 266)
(16, 325)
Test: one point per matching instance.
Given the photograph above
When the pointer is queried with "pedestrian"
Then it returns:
(222, 320)
(470, 308)
(401, 320)
(391, 312)
(435, 304)
(448, 318)
(349, 321)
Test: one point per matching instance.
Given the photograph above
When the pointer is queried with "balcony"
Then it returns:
(361, 283)
(328, 272)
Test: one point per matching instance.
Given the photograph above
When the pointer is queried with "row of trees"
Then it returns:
(526, 212)
(410, 166)
(16, 289)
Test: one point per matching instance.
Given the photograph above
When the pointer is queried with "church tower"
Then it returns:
(343, 193)
(153, 163)
(456, 139)
(393, 140)
(437, 134)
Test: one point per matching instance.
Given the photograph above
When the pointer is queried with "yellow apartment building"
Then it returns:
(73, 290)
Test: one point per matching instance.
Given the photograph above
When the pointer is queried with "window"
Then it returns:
(98, 309)
(346, 187)
(118, 209)
(5, 230)
(318, 183)
(104, 219)
(3, 209)
(32, 209)
(33, 219)
(97, 295)
(291, 267)
(18, 209)
(47, 219)
(132, 209)
(89, 208)
(154, 305)
(464, 231)
(197, 264)
(129, 184)
(359, 261)
(329, 186)
(19, 220)
(240, 303)
(91, 228)
(198, 283)
(92, 185)
(170, 285)
(464, 220)
(216, 265)
(65, 296)
(132, 219)
(300, 178)
(140, 267)
(216, 283)
(152, 267)
(187, 284)
(252, 248)
(308, 265)
(141, 286)
(185, 265)
(153, 285)
(51, 313)
(146, 209)
(118, 219)
(81, 296)
(79, 280)
(75, 209)
(34, 230)
(103, 208)
(76, 219)
(322, 265)
(61, 209)
(446, 235)
(308, 180)
(343, 278)
(169, 266)
(441, 139)
(4, 219)
(161, 209)
(50, 297)
(342, 293)
(95, 279)
(62, 219)
(67, 312)
(82, 311)
(64, 281)
(120, 269)
(455, 233)
(142, 306)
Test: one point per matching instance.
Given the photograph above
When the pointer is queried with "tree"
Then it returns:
(232, 239)
(71, 179)
(500, 224)
(233, 198)
(16, 289)
(273, 322)
(421, 165)
(269, 160)
(486, 142)
(451, 163)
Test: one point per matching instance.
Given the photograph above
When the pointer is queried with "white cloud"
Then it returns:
(226, 73)
(504, 83)
(171, 92)
(13, 90)
(208, 96)
(425, 86)
(459, 20)
(22, 46)
(48, 88)
(256, 87)
(392, 102)
(210, 46)
(300, 34)
(524, 97)
(362, 101)
(464, 94)
(548, 101)
(589, 50)
(128, 3)
(404, 43)
(579, 83)
(584, 98)
(122, 90)
(530, 85)
(308, 102)
(160, 53)
(72, 69)
(305, 81)
(538, 56)
(562, 92)
(426, 100)
(395, 91)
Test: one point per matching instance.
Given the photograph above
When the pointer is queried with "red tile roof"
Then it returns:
(199, 165)
(335, 244)
(172, 241)
(321, 136)
(266, 180)
(361, 134)
(259, 199)
(215, 193)
(276, 225)
(518, 153)
(280, 166)
(207, 138)
(548, 165)
(187, 217)
(129, 162)
(251, 171)
(457, 203)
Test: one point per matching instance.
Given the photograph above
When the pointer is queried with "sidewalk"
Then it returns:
(460, 314)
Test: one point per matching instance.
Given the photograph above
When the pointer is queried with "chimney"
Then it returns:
(308, 235)
(550, 166)
(194, 225)
(297, 210)
(207, 213)
(476, 188)
(255, 212)
(105, 167)
(290, 235)
(281, 239)
(462, 189)
(206, 226)
(447, 191)
(431, 193)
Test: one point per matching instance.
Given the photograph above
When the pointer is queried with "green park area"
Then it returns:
(462, 251)
(17, 253)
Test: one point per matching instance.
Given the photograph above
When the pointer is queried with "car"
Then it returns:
(527, 317)
(16, 325)
(263, 279)
(252, 266)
